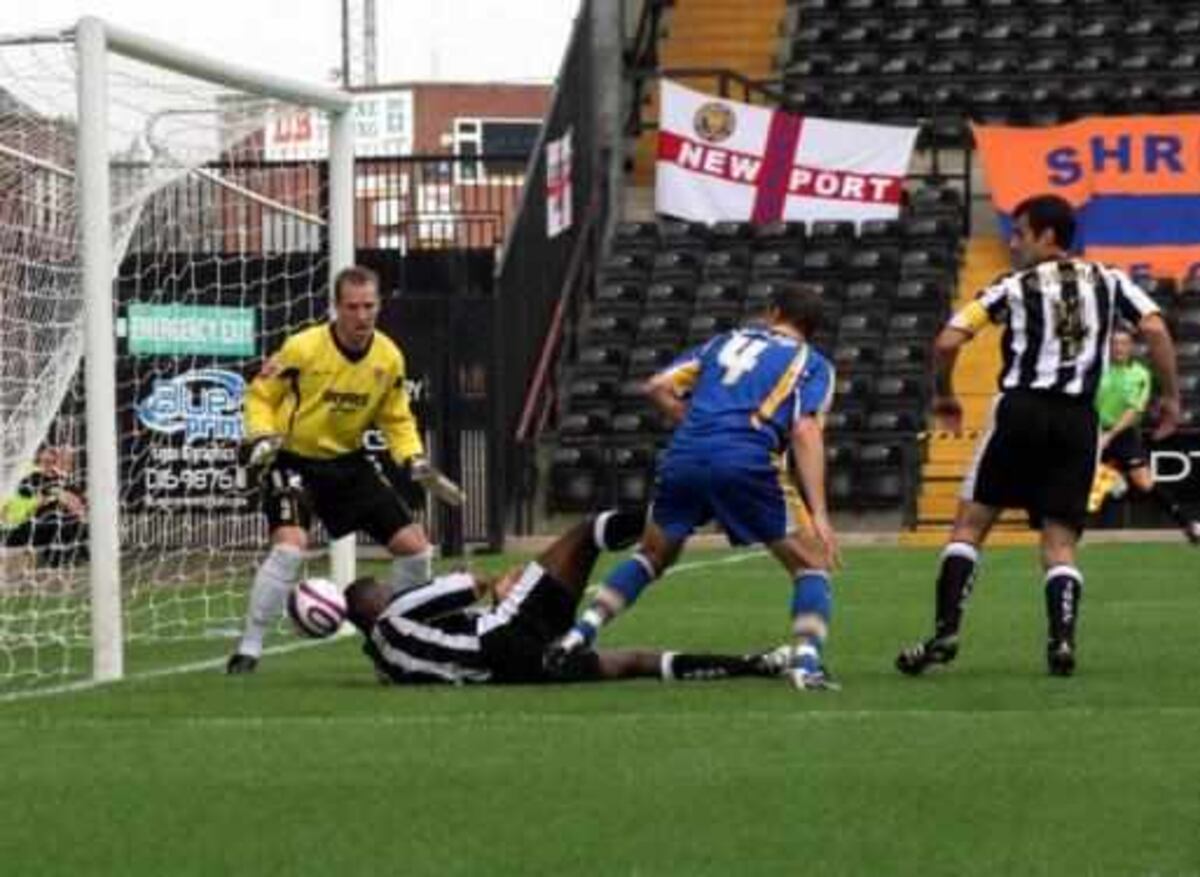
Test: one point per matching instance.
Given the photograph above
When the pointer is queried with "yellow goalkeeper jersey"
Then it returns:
(322, 397)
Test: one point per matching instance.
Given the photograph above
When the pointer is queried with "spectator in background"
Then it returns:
(47, 513)
(1121, 401)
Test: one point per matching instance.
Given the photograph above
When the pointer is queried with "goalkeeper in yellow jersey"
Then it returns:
(1120, 401)
(305, 416)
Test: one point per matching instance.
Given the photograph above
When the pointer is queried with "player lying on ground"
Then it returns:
(1039, 452)
(741, 402)
(431, 634)
(1121, 402)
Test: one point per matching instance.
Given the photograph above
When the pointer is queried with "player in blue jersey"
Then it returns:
(740, 402)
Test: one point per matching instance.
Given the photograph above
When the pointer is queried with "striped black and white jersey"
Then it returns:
(1057, 317)
(431, 633)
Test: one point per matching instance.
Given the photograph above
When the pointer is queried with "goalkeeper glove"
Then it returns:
(258, 453)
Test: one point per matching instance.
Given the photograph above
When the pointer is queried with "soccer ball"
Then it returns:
(317, 608)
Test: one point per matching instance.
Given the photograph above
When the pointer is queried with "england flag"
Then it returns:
(720, 160)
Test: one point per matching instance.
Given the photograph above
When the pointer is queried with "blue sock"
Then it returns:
(629, 578)
(812, 607)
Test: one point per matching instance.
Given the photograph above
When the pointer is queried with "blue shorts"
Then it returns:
(754, 501)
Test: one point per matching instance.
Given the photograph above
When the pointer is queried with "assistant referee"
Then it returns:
(305, 416)
(1120, 402)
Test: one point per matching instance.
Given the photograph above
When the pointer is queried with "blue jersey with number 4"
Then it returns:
(747, 388)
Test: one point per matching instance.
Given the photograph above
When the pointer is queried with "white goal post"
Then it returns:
(99, 253)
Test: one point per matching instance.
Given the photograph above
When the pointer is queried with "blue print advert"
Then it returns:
(190, 425)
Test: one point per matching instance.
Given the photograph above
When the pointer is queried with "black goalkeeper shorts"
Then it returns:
(348, 493)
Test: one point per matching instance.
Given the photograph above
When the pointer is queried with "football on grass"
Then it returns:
(317, 608)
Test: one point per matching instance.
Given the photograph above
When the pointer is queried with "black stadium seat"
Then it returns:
(614, 298)
(719, 299)
(670, 297)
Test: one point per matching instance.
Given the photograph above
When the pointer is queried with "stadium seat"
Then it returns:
(841, 453)
(758, 296)
(601, 360)
(661, 328)
(1188, 354)
(1187, 323)
(675, 265)
(860, 328)
(580, 426)
(631, 396)
(645, 359)
(868, 296)
(705, 325)
(719, 299)
(730, 236)
(843, 420)
(854, 391)
(893, 421)
(821, 264)
(772, 265)
(635, 237)
(879, 233)
(624, 266)
(832, 235)
(590, 394)
(897, 358)
(854, 357)
(895, 392)
(911, 327)
(873, 263)
(620, 298)
(880, 488)
(635, 425)
(780, 236)
(725, 265)
(574, 477)
(679, 236)
(603, 326)
(634, 469)
(670, 298)
(925, 263)
(926, 296)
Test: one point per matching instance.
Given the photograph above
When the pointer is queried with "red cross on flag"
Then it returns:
(720, 160)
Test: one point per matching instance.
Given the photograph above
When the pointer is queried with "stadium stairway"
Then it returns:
(948, 456)
(712, 35)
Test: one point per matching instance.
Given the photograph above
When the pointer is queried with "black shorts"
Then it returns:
(516, 633)
(347, 493)
(1126, 450)
(1039, 455)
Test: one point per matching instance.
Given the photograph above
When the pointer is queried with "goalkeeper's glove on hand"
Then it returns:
(418, 468)
(258, 453)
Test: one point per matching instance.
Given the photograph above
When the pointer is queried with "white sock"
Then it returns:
(279, 572)
(411, 570)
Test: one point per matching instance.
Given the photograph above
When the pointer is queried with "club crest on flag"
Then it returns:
(715, 122)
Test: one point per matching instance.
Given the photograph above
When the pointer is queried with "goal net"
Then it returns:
(222, 242)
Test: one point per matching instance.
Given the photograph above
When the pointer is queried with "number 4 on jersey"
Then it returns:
(738, 356)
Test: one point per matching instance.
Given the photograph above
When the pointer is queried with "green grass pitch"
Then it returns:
(990, 767)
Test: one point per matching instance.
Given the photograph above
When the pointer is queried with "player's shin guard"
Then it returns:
(411, 570)
(1064, 590)
(618, 528)
(621, 590)
(956, 578)
(279, 572)
(812, 607)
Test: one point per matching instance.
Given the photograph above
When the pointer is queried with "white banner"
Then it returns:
(720, 159)
(383, 127)
(558, 186)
